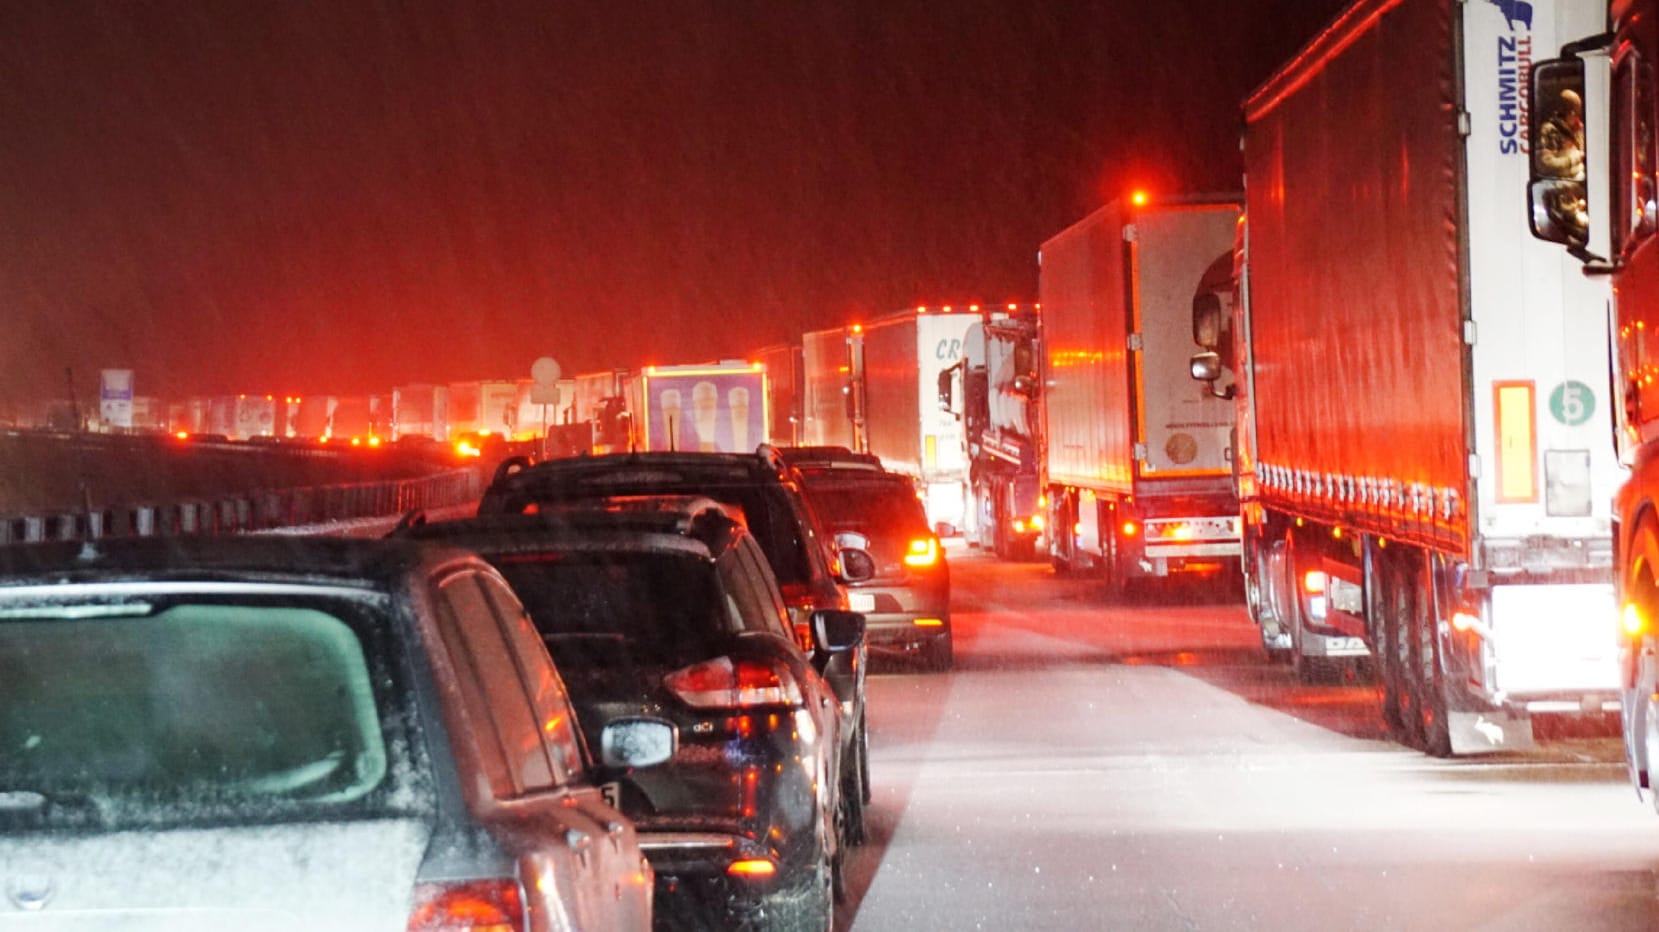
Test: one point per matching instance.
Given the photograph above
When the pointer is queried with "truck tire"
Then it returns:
(1310, 671)
(1426, 678)
(1264, 597)
(1381, 596)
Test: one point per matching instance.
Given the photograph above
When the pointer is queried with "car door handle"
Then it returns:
(615, 829)
(578, 841)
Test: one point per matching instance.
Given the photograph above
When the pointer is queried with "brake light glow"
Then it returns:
(183, 435)
(1631, 620)
(493, 905)
(723, 683)
(1463, 621)
(463, 448)
(755, 868)
(1130, 529)
(923, 552)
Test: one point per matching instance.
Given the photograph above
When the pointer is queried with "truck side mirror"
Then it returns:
(947, 389)
(1206, 367)
(1206, 322)
(1558, 202)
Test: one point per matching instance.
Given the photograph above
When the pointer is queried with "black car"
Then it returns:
(906, 597)
(761, 490)
(666, 608)
(260, 734)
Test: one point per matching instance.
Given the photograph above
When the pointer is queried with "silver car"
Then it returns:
(285, 734)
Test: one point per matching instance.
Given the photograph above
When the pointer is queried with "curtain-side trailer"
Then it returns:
(1423, 474)
(1136, 457)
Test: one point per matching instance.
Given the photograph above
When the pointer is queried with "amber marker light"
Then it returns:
(1138, 198)
(1130, 529)
(1313, 583)
(756, 868)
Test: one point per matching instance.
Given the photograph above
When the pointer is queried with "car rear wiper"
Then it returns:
(30, 807)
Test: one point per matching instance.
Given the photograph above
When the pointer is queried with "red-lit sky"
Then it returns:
(342, 196)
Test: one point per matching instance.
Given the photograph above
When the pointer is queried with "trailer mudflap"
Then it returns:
(1489, 732)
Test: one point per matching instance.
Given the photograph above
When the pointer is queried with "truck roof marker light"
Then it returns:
(1631, 621)
(1313, 582)
(946, 309)
(921, 310)
(974, 308)
(1013, 307)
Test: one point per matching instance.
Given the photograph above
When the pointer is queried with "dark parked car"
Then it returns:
(763, 492)
(665, 607)
(283, 734)
(906, 597)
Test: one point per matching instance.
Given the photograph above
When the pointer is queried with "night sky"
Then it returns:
(341, 196)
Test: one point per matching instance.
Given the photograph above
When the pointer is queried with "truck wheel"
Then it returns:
(1309, 670)
(1264, 590)
(1381, 610)
(1425, 707)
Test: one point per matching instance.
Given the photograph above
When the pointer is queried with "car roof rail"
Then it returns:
(510, 466)
(773, 457)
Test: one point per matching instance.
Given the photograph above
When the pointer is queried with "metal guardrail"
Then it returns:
(248, 511)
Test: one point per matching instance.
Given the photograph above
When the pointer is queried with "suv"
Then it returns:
(263, 733)
(760, 490)
(906, 595)
(665, 607)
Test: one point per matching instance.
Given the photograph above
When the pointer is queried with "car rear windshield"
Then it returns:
(219, 705)
(874, 508)
(616, 607)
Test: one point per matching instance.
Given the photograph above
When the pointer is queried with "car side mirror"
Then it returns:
(836, 631)
(637, 742)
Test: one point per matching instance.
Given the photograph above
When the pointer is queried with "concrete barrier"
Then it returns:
(265, 509)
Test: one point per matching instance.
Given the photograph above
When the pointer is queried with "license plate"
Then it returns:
(861, 601)
(1345, 646)
(612, 793)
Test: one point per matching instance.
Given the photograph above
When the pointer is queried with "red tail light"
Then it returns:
(493, 905)
(924, 551)
(722, 683)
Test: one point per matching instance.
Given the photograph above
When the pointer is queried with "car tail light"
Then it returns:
(723, 683)
(924, 551)
(492, 905)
